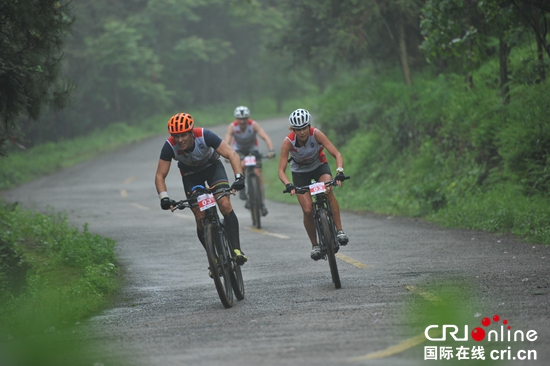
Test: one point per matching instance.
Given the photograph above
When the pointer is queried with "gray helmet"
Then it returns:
(242, 112)
(299, 118)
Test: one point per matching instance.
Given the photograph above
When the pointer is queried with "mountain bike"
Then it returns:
(253, 189)
(225, 271)
(324, 224)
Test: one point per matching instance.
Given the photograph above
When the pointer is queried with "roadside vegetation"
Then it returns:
(52, 276)
(443, 151)
(439, 107)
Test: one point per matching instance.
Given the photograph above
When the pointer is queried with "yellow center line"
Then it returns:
(260, 231)
(407, 343)
(351, 261)
(123, 193)
(425, 294)
(141, 207)
(130, 179)
(398, 348)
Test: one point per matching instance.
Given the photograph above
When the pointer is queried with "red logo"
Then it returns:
(478, 333)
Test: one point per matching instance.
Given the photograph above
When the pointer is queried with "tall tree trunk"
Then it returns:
(503, 58)
(540, 54)
(117, 98)
(469, 79)
(536, 27)
(404, 55)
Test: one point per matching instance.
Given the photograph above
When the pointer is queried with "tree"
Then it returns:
(329, 32)
(534, 12)
(461, 33)
(32, 35)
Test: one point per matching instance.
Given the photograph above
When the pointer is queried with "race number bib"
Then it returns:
(250, 160)
(317, 188)
(206, 201)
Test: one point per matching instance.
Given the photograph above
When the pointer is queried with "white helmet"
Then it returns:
(242, 112)
(299, 118)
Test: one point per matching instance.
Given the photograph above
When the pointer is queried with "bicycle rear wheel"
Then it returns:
(255, 200)
(329, 241)
(235, 273)
(218, 264)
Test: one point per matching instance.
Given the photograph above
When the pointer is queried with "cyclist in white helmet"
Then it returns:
(242, 136)
(305, 145)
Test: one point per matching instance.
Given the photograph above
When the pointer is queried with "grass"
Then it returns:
(52, 276)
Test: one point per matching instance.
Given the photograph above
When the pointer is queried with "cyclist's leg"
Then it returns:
(324, 175)
(303, 179)
(309, 222)
(335, 208)
(189, 181)
(218, 178)
(242, 193)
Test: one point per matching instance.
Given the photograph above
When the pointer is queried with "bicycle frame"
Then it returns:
(218, 247)
(253, 188)
(324, 224)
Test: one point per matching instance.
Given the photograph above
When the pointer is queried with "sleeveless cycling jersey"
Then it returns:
(246, 140)
(307, 157)
(201, 157)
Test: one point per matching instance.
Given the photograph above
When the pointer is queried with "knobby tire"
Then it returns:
(214, 250)
(329, 240)
(235, 273)
(255, 200)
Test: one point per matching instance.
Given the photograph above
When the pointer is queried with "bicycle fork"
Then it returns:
(323, 241)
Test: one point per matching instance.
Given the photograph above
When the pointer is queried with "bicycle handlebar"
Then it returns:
(197, 191)
(305, 189)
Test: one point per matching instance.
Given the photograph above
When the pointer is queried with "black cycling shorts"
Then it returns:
(304, 179)
(213, 176)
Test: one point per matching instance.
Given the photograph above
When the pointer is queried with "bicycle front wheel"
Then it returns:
(329, 240)
(255, 200)
(218, 267)
(235, 273)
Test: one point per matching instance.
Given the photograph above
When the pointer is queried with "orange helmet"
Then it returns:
(180, 123)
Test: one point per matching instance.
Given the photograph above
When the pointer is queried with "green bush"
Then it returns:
(446, 151)
(63, 274)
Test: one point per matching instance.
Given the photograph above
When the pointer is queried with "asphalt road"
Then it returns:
(397, 274)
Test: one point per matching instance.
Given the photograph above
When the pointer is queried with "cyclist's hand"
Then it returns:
(238, 184)
(166, 203)
(271, 154)
(340, 177)
(290, 188)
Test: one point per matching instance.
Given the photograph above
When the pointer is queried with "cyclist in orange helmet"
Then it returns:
(242, 136)
(197, 151)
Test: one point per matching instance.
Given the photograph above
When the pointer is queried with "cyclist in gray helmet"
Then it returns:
(242, 136)
(305, 146)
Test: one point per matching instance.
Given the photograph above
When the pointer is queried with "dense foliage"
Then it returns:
(52, 276)
(32, 36)
(50, 273)
(131, 60)
(439, 149)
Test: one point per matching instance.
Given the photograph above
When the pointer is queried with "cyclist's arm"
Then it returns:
(323, 140)
(229, 134)
(260, 131)
(227, 152)
(283, 161)
(160, 177)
